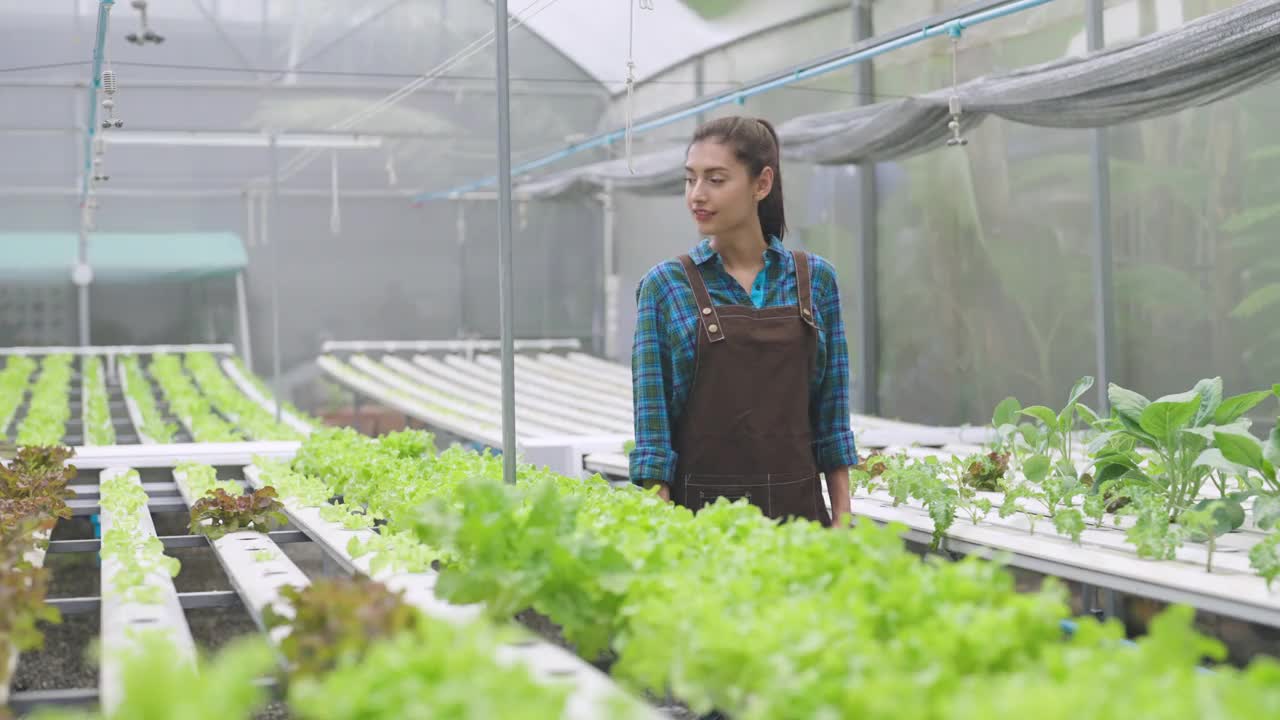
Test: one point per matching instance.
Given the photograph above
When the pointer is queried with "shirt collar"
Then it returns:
(702, 252)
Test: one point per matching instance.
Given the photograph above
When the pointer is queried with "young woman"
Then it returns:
(740, 366)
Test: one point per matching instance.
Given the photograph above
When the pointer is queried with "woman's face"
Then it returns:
(719, 190)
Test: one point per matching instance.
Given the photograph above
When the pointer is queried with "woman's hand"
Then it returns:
(664, 490)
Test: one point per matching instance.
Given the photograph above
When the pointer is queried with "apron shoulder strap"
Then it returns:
(707, 315)
(804, 286)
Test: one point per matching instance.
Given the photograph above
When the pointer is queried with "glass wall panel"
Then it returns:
(984, 260)
(1197, 258)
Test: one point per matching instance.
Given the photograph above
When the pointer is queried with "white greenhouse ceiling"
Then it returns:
(596, 34)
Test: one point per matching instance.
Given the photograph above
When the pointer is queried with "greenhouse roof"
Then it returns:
(597, 35)
(121, 257)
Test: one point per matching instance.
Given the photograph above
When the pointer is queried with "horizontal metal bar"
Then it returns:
(443, 86)
(280, 537)
(208, 599)
(75, 605)
(74, 546)
(860, 52)
(26, 701)
(85, 491)
(225, 192)
(89, 506)
(446, 345)
(189, 601)
(282, 132)
(224, 348)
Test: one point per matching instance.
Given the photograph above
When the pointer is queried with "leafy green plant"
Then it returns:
(309, 491)
(1160, 675)
(346, 516)
(409, 444)
(394, 551)
(98, 429)
(1153, 534)
(266, 393)
(1171, 446)
(33, 495)
(138, 389)
(337, 619)
(1265, 558)
(137, 553)
(203, 479)
(1207, 522)
(258, 511)
(49, 407)
(13, 386)
(985, 472)
(1054, 434)
(156, 687)
(431, 669)
(251, 417)
(36, 480)
(1069, 522)
(926, 480)
(22, 591)
(188, 404)
(608, 565)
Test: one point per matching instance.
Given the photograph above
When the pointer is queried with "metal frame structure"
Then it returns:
(120, 616)
(950, 23)
(573, 408)
(866, 382)
(590, 687)
(257, 584)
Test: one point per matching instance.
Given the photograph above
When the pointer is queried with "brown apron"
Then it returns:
(745, 431)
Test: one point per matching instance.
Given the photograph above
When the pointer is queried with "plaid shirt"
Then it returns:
(662, 358)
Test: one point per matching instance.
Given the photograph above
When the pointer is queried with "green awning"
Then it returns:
(121, 257)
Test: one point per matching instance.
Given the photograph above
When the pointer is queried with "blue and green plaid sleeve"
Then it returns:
(654, 457)
(833, 443)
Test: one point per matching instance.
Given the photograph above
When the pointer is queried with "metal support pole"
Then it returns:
(82, 285)
(82, 276)
(1104, 295)
(461, 227)
(269, 211)
(611, 280)
(242, 308)
(506, 270)
(867, 383)
(251, 222)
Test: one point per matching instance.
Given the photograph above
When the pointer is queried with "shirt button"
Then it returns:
(713, 328)
(706, 311)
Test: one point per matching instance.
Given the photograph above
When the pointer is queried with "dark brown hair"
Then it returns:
(755, 144)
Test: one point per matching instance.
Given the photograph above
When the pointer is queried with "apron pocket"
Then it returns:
(796, 498)
(703, 490)
(779, 496)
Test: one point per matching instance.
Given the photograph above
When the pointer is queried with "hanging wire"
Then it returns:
(631, 77)
(956, 139)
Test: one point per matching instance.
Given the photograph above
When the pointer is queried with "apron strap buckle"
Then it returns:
(708, 317)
